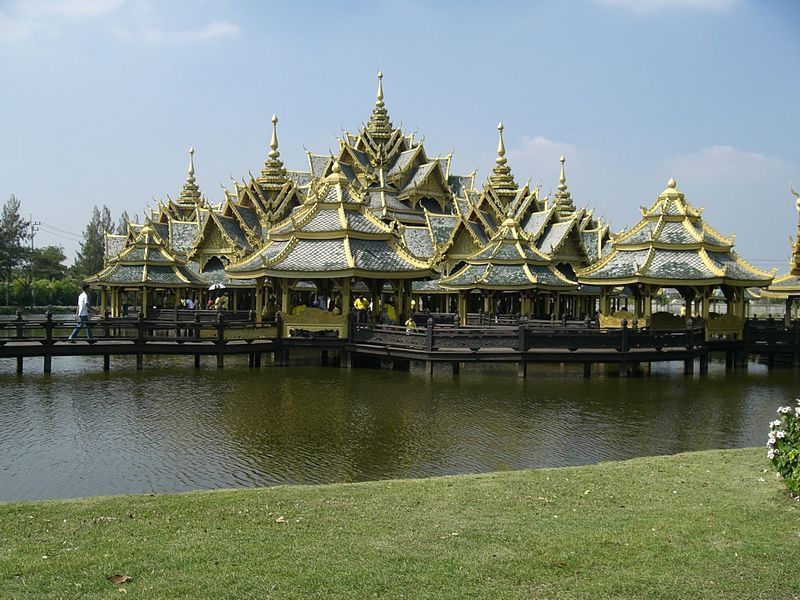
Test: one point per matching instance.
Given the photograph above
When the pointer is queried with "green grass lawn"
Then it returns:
(699, 525)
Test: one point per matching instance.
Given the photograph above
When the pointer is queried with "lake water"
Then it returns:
(169, 428)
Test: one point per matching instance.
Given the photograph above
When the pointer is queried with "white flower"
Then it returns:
(770, 442)
(780, 435)
(775, 423)
(797, 412)
(771, 454)
(784, 410)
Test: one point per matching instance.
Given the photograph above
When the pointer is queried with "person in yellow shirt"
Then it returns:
(391, 314)
(410, 325)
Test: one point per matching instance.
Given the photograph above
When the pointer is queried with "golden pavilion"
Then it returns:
(379, 222)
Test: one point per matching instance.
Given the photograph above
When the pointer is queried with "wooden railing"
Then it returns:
(188, 326)
(527, 335)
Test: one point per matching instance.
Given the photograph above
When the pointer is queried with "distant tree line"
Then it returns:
(31, 276)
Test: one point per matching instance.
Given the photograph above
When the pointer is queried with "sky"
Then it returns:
(101, 99)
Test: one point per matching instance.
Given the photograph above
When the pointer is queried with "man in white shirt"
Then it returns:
(83, 315)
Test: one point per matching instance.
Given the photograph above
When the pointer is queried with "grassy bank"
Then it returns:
(699, 525)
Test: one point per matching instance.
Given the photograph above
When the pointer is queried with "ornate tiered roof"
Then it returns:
(145, 263)
(334, 234)
(508, 262)
(788, 284)
(672, 246)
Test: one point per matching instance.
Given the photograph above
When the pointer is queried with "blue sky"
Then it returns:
(101, 99)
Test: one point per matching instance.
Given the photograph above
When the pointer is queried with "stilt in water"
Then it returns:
(587, 369)
(196, 361)
(688, 366)
(522, 369)
(139, 361)
(456, 367)
(704, 363)
(106, 362)
(19, 365)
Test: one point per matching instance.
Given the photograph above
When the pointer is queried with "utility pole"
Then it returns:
(34, 229)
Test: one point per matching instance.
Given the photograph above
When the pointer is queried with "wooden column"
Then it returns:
(462, 306)
(705, 301)
(284, 283)
(145, 301)
(259, 298)
(347, 304)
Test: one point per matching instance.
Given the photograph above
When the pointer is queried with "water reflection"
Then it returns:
(169, 428)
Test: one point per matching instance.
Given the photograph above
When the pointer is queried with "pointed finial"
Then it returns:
(191, 161)
(379, 102)
(273, 143)
(562, 179)
(501, 147)
(671, 183)
(336, 168)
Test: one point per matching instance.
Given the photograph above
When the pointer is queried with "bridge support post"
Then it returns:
(220, 360)
(730, 362)
(106, 362)
(456, 367)
(704, 363)
(48, 363)
(346, 359)
(688, 366)
(258, 360)
(139, 361)
(429, 369)
(251, 360)
(587, 369)
(796, 353)
(197, 361)
(522, 369)
(19, 365)
(624, 369)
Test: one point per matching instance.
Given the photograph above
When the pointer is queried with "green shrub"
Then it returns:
(783, 446)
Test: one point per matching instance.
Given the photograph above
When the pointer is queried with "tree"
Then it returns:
(122, 225)
(47, 263)
(13, 233)
(90, 255)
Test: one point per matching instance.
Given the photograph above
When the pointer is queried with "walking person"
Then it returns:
(83, 315)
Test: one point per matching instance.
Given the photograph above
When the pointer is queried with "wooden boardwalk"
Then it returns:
(212, 334)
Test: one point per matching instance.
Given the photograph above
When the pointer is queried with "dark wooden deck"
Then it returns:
(439, 340)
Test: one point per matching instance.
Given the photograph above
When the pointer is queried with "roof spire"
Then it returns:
(795, 264)
(501, 180)
(501, 147)
(379, 101)
(190, 194)
(273, 174)
(273, 143)
(564, 204)
(379, 126)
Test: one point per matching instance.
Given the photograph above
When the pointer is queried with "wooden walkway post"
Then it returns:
(220, 341)
(140, 334)
(48, 343)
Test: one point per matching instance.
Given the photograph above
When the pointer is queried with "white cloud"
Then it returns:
(152, 34)
(650, 6)
(75, 9)
(538, 156)
(22, 20)
(746, 193)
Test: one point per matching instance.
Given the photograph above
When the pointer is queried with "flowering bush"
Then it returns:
(783, 446)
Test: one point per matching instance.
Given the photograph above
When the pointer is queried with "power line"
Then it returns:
(60, 230)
